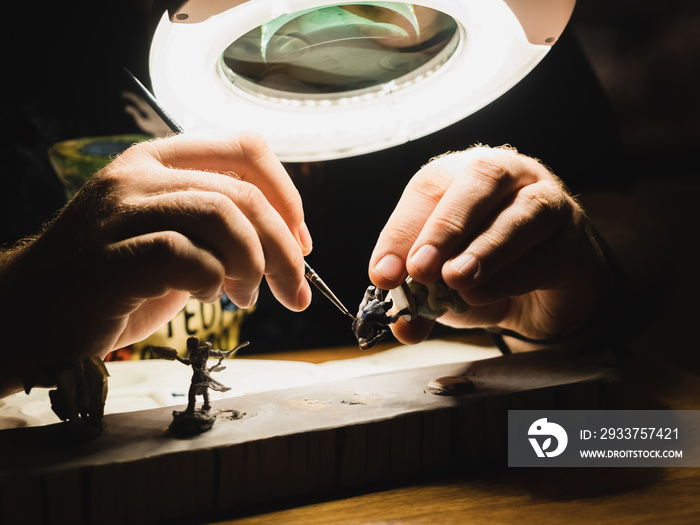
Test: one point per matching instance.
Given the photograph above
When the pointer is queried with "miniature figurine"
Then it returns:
(379, 308)
(371, 324)
(80, 392)
(191, 421)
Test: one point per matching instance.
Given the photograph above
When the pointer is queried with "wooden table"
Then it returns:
(253, 473)
(544, 495)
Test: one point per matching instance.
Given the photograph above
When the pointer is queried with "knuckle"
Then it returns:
(538, 202)
(215, 209)
(135, 163)
(291, 207)
(252, 145)
(250, 197)
(399, 233)
(108, 179)
(166, 243)
(488, 170)
(431, 189)
(434, 178)
(544, 200)
(449, 226)
(140, 151)
(141, 148)
(488, 241)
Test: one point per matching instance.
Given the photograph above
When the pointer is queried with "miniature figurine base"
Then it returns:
(187, 424)
(450, 386)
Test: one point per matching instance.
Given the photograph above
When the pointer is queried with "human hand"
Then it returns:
(500, 229)
(188, 215)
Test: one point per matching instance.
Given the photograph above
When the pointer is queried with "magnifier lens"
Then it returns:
(340, 49)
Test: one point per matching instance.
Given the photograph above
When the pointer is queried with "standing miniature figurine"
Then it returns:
(379, 308)
(190, 421)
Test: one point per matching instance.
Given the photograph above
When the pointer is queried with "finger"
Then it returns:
(241, 229)
(412, 332)
(536, 213)
(208, 220)
(284, 261)
(544, 311)
(144, 281)
(151, 265)
(485, 183)
(442, 204)
(148, 317)
(387, 266)
(562, 267)
(533, 271)
(478, 316)
(246, 157)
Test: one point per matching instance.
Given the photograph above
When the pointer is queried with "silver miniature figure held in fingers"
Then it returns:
(380, 308)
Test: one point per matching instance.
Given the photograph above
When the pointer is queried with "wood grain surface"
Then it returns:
(318, 441)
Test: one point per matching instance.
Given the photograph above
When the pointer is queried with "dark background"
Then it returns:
(647, 57)
(64, 78)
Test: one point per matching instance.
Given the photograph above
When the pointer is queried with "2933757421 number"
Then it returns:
(631, 433)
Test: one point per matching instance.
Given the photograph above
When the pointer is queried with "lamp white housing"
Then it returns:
(495, 43)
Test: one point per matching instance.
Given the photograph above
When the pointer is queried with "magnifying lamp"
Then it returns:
(323, 80)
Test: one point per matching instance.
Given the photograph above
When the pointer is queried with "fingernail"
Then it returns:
(305, 238)
(391, 267)
(465, 264)
(427, 259)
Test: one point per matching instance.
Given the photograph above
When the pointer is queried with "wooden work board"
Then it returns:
(289, 443)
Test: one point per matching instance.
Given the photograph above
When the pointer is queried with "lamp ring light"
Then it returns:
(323, 80)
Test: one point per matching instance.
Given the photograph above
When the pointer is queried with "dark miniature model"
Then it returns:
(371, 324)
(190, 421)
(380, 308)
(79, 395)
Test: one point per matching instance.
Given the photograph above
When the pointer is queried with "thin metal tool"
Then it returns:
(155, 105)
(310, 274)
